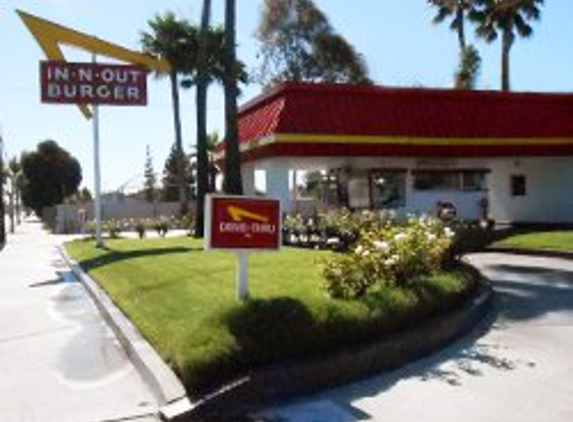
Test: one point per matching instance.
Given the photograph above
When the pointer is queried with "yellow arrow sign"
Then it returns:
(238, 214)
(51, 37)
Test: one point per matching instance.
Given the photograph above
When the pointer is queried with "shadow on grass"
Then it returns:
(270, 330)
(113, 256)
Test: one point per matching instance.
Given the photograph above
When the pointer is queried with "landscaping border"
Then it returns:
(542, 253)
(283, 381)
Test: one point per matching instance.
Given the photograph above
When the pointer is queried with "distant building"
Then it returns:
(507, 155)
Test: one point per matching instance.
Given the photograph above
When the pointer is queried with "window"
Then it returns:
(450, 180)
(518, 185)
(388, 189)
(437, 180)
(474, 181)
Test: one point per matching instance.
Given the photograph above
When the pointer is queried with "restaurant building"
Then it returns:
(506, 156)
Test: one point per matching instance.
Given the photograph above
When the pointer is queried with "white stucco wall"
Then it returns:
(549, 196)
(549, 185)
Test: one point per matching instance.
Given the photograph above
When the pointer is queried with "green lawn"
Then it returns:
(551, 240)
(183, 300)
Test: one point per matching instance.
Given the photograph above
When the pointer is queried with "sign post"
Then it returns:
(97, 171)
(242, 225)
(94, 84)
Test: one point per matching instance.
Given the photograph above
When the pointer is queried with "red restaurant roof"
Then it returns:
(324, 119)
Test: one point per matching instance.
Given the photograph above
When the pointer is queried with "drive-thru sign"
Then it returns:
(242, 225)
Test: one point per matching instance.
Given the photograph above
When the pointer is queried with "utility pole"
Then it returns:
(2, 208)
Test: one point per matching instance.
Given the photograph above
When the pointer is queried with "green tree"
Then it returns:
(232, 182)
(170, 179)
(202, 82)
(51, 174)
(213, 142)
(149, 188)
(173, 38)
(298, 44)
(468, 71)
(506, 18)
(81, 197)
(458, 11)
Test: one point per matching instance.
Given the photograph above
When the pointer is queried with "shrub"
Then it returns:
(187, 223)
(470, 236)
(396, 254)
(113, 228)
(161, 226)
(141, 228)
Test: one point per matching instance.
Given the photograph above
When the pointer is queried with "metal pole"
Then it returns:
(97, 171)
(243, 276)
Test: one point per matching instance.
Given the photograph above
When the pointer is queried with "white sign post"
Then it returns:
(243, 276)
(97, 172)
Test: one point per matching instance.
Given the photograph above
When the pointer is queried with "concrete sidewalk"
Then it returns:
(59, 362)
(516, 368)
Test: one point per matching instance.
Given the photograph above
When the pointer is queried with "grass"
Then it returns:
(550, 240)
(183, 300)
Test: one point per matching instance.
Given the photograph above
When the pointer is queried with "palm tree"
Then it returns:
(213, 142)
(468, 71)
(202, 82)
(458, 10)
(169, 38)
(507, 18)
(233, 181)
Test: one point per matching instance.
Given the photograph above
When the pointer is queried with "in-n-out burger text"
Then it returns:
(90, 83)
(248, 228)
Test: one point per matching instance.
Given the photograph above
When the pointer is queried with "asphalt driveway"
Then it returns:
(517, 366)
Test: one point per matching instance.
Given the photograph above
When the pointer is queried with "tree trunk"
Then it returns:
(202, 157)
(18, 207)
(181, 182)
(461, 30)
(11, 205)
(507, 43)
(232, 182)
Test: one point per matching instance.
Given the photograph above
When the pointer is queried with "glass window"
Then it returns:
(388, 189)
(518, 185)
(454, 180)
(474, 181)
(437, 180)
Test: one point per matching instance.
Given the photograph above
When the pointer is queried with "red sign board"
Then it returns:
(93, 83)
(241, 223)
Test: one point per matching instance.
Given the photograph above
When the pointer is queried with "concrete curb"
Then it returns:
(163, 383)
(269, 385)
(543, 253)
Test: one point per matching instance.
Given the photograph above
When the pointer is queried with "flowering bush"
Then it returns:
(389, 254)
(113, 228)
(335, 229)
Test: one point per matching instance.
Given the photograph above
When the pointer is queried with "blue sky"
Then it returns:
(401, 46)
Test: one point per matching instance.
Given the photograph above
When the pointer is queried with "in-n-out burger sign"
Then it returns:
(93, 83)
(241, 223)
